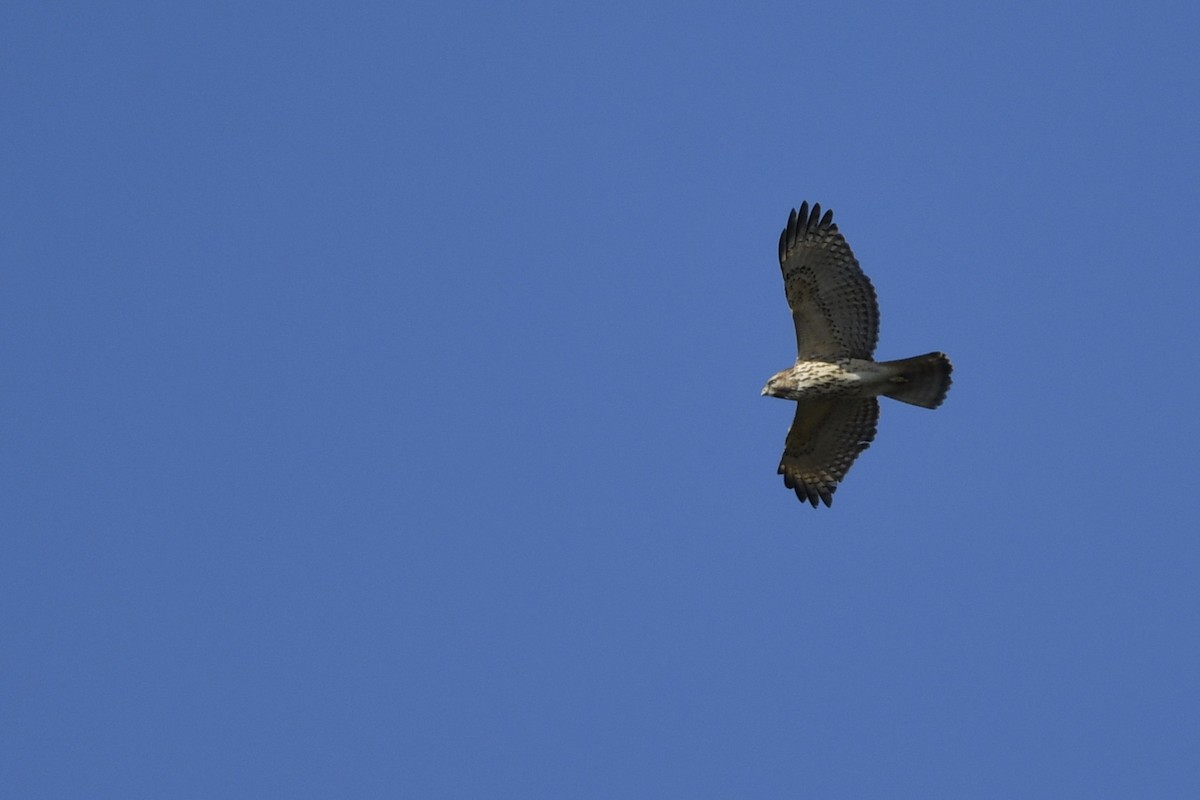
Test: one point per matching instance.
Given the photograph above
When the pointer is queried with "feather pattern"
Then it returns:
(826, 436)
(833, 303)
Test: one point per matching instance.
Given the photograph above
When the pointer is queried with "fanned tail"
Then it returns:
(920, 380)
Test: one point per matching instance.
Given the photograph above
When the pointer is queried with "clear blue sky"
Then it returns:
(380, 415)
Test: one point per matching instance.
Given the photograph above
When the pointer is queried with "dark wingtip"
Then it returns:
(809, 493)
(787, 239)
(827, 496)
(800, 222)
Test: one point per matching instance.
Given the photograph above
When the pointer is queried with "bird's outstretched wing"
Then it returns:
(826, 436)
(833, 303)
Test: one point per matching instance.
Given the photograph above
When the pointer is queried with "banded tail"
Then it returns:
(920, 380)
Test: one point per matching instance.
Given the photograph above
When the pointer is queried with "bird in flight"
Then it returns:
(835, 381)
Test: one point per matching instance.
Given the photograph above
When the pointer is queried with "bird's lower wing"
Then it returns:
(826, 436)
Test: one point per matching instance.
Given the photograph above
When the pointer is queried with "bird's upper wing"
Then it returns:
(833, 303)
(826, 436)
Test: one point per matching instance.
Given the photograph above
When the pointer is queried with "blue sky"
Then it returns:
(381, 417)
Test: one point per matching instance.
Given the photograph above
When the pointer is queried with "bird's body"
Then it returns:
(845, 377)
(835, 380)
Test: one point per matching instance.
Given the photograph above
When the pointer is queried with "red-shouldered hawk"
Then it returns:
(835, 381)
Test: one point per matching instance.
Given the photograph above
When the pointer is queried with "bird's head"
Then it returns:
(777, 385)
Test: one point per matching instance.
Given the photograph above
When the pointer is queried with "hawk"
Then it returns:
(835, 380)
